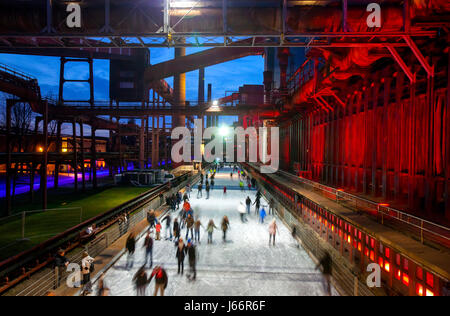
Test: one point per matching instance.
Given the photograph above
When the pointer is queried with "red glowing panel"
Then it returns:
(398, 275)
(372, 256)
(419, 289)
(429, 293)
(332, 228)
(372, 243)
(419, 273)
(387, 267)
(349, 239)
(430, 279)
(380, 261)
(387, 253)
(406, 279)
(359, 246)
(367, 252)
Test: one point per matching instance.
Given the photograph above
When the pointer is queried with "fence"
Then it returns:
(23, 230)
(45, 281)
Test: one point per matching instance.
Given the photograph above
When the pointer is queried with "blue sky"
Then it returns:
(223, 77)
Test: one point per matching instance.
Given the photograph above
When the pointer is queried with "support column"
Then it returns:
(75, 154)
(387, 135)
(58, 150)
(83, 169)
(412, 148)
(447, 144)
(9, 105)
(142, 144)
(209, 118)
(45, 159)
(93, 158)
(179, 88)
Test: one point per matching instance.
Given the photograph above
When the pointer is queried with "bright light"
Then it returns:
(64, 150)
(224, 131)
(40, 149)
(215, 103)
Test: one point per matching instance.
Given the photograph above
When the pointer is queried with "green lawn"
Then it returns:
(70, 209)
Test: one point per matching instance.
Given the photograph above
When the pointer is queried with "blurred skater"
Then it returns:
(225, 226)
(273, 229)
(210, 230)
(192, 256)
(131, 246)
(148, 245)
(161, 280)
(181, 252)
(326, 262)
(140, 280)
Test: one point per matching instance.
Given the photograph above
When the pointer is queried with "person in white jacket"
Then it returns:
(86, 267)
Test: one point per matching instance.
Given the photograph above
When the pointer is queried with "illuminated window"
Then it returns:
(380, 261)
(405, 264)
(398, 274)
(419, 273)
(419, 289)
(429, 293)
(387, 253)
(430, 279)
(398, 259)
(405, 279)
(372, 255)
(387, 267)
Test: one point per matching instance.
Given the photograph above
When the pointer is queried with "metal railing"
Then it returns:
(15, 72)
(386, 215)
(46, 281)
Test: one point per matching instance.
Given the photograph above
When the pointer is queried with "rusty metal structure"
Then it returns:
(363, 108)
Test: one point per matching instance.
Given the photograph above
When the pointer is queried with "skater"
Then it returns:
(60, 267)
(210, 230)
(192, 254)
(294, 235)
(185, 197)
(103, 289)
(212, 184)
(231, 175)
(248, 203)
(151, 219)
(271, 207)
(176, 230)
(87, 265)
(181, 252)
(326, 262)
(241, 185)
(168, 221)
(189, 226)
(262, 215)
(161, 280)
(188, 190)
(123, 224)
(140, 280)
(241, 210)
(200, 189)
(131, 246)
(208, 188)
(257, 206)
(178, 199)
(224, 190)
(148, 245)
(158, 231)
(225, 227)
(197, 226)
(273, 228)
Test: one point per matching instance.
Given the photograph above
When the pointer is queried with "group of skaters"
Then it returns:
(186, 247)
(208, 182)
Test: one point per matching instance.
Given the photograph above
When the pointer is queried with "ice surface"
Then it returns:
(245, 265)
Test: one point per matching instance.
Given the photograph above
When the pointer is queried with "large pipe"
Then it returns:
(179, 86)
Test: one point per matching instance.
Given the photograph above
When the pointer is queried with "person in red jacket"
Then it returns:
(161, 280)
(224, 190)
(158, 231)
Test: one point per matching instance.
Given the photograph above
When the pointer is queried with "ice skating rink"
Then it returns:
(245, 265)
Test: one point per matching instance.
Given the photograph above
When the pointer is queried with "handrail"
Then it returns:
(16, 72)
